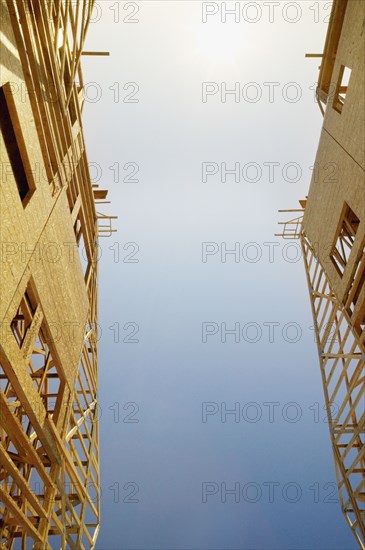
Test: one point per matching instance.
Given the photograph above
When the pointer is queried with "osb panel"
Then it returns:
(38, 239)
(339, 179)
(61, 288)
(20, 226)
(348, 127)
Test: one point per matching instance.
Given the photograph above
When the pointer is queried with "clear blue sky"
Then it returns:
(145, 114)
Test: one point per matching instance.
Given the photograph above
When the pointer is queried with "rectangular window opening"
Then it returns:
(24, 316)
(15, 145)
(69, 85)
(83, 253)
(341, 89)
(345, 239)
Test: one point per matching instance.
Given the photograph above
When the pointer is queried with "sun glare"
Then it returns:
(218, 43)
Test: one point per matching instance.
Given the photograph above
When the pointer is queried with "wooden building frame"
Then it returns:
(331, 229)
(49, 418)
(341, 351)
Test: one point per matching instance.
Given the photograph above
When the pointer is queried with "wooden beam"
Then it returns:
(105, 54)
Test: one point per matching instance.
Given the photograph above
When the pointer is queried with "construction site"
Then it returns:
(50, 226)
(330, 225)
(49, 453)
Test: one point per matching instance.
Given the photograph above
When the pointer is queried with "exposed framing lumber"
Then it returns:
(49, 455)
(341, 352)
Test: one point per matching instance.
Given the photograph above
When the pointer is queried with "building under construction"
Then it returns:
(331, 228)
(49, 458)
